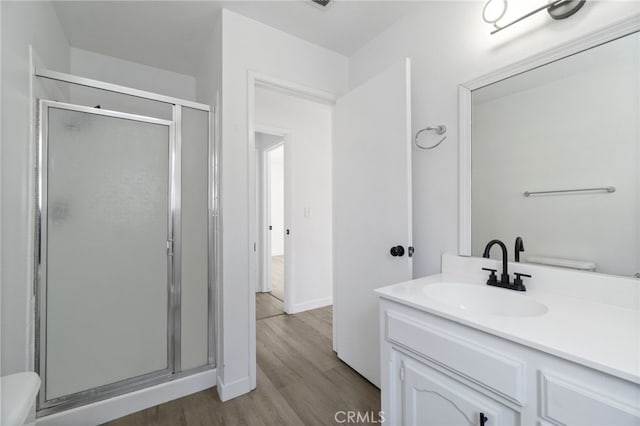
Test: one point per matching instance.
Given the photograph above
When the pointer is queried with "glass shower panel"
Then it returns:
(107, 223)
(195, 241)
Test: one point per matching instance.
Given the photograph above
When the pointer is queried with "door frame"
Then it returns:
(257, 79)
(173, 235)
(264, 211)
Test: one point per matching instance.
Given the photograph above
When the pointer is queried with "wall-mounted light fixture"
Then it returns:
(494, 10)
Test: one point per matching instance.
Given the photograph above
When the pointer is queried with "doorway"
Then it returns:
(275, 217)
(272, 201)
(303, 117)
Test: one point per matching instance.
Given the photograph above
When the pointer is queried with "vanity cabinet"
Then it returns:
(428, 397)
(436, 371)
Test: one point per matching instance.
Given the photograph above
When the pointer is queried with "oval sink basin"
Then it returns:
(484, 299)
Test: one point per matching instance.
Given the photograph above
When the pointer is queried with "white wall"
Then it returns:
(249, 45)
(132, 74)
(311, 129)
(559, 135)
(208, 77)
(450, 44)
(23, 23)
(276, 193)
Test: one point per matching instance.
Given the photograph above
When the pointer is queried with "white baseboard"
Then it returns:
(234, 389)
(312, 304)
(119, 406)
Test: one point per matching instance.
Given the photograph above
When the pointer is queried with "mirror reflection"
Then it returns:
(556, 161)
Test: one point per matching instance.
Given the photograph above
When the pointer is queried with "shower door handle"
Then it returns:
(170, 247)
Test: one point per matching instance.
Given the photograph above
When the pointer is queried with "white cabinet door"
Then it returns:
(428, 397)
(372, 209)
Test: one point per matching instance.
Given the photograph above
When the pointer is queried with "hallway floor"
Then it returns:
(267, 305)
(277, 277)
(301, 381)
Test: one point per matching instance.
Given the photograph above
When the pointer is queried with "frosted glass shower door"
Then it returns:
(105, 265)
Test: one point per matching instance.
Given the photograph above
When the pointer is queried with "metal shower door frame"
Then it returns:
(173, 292)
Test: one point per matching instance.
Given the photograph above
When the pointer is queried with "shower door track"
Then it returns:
(116, 88)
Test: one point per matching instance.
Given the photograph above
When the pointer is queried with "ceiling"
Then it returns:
(173, 34)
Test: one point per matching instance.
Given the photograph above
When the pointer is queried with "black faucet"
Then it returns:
(519, 247)
(504, 279)
(517, 284)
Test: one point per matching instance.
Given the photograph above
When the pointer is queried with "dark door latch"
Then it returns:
(397, 251)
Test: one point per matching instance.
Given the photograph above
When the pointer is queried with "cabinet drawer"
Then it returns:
(494, 371)
(567, 402)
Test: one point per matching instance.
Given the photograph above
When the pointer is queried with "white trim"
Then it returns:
(264, 182)
(334, 290)
(287, 138)
(464, 132)
(271, 130)
(234, 389)
(116, 407)
(88, 82)
(603, 35)
(256, 79)
(287, 143)
(252, 227)
(291, 88)
(289, 240)
(266, 216)
(312, 304)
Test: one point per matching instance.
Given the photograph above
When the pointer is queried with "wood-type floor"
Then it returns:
(267, 305)
(277, 277)
(301, 381)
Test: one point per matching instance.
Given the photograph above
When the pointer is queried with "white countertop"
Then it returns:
(601, 336)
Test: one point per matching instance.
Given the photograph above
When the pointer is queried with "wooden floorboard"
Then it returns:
(300, 380)
(277, 277)
(268, 306)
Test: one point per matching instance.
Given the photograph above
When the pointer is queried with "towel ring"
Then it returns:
(439, 129)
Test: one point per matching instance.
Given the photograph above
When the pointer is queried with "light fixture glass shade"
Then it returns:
(494, 10)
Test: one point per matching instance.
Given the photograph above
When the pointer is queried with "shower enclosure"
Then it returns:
(125, 250)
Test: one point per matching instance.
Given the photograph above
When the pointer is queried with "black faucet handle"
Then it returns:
(493, 278)
(517, 282)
